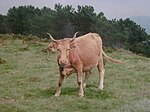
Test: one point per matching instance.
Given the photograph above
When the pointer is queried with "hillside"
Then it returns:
(29, 75)
(143, 21)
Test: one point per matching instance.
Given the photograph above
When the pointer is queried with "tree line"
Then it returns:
(64, 21)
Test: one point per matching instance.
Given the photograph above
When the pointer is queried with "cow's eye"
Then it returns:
(68, 49)
(58, 50)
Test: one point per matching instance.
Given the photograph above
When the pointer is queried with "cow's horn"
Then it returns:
(74, 37)
(51, 37)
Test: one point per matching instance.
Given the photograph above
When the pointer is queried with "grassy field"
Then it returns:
(29, 76)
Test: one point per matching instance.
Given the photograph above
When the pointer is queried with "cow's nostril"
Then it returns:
(63, 62)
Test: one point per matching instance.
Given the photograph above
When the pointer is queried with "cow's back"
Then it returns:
(88, 48)
(90, 42)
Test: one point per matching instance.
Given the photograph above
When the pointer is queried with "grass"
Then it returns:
(29, 76)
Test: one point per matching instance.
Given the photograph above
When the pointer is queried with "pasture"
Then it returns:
(29, 76)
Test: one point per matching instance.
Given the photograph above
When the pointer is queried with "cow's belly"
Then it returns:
(89, 67)
(90, 63)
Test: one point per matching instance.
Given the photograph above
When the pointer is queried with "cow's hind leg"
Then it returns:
(101, 70)
(61, 78)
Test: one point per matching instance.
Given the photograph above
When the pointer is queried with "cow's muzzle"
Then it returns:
(62, 66)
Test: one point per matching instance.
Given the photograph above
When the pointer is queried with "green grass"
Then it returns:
(29, 76)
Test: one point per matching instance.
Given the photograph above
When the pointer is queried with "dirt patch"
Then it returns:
(2, 61)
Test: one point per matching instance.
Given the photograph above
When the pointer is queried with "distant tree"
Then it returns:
(64, 21)
(42, 22)
(84, 19)
(4, 25)
(19, 18)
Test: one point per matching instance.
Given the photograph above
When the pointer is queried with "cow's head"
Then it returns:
(63, 47)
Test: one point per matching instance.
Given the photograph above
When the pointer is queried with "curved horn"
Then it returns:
(51, 37)
(75, 34)
(74, 37)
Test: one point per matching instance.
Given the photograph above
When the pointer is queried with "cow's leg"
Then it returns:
(80, 83)
(101, 70)
(61, 78)
(87, 74)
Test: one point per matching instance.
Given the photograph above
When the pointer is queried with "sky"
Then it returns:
(111, 8)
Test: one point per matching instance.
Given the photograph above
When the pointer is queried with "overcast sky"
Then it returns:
(111, 8)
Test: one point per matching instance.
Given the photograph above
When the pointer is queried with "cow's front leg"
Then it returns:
(80, 83)
(87, 74)
(61, 78)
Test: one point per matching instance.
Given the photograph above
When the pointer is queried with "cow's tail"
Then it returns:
(111, 59)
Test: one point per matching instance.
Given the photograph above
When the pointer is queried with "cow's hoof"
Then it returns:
(80, 95)
(57, 95)
(101, 87)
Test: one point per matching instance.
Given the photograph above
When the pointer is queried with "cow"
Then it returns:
(52, 47)
(79, 55)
